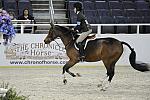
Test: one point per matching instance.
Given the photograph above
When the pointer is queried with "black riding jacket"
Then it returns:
(82, 24)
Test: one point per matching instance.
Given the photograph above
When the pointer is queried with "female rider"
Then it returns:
(82, 27)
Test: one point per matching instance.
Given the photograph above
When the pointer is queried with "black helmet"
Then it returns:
(78, 6)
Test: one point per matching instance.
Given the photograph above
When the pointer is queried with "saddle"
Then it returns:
(86, 40)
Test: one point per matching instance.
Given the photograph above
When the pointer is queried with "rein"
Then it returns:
(65, 46)
(68, 44)
(57, 43)
(70, 40)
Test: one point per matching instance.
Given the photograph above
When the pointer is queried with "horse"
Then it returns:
(108, 50)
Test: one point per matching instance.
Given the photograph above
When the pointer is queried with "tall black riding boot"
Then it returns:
(81, 50)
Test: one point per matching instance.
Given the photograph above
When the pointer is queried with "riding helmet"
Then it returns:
(78, 6)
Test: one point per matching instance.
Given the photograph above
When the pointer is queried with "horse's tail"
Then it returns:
(132, 58)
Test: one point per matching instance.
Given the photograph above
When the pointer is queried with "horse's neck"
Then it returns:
(66, 39)
(65, 35)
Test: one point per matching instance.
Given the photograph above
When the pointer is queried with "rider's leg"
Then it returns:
(79, 42)
(81, 50)
(83, 36)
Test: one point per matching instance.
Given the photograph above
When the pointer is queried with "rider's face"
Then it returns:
(75, 10)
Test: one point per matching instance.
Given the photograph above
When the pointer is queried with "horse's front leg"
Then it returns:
(66, 67)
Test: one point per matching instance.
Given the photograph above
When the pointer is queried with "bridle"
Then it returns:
(67, 45)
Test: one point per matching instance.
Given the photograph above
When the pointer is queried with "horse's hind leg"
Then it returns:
(110, 72)
(110, 66)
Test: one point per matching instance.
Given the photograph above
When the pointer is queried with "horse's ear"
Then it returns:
(52, 25)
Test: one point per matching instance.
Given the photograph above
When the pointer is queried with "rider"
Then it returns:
(82, 27)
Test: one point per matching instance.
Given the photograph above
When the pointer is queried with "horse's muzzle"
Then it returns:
(47, 41)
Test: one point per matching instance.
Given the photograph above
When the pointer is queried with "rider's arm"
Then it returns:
(77, 28)
(80, 19)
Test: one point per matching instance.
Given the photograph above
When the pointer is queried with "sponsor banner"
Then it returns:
(30, 49)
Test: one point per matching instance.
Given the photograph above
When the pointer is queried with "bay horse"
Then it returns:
(108, 50)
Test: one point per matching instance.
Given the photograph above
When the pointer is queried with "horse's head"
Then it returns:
(58, 31)
(52, 35)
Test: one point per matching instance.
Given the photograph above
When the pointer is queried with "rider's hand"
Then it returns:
(72, 29)
(77, 31)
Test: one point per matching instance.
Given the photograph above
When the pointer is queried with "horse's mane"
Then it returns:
(63, 29)
(67, 32)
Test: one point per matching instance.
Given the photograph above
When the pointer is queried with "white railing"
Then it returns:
(22, 24)
(97, 25)
(51, 11)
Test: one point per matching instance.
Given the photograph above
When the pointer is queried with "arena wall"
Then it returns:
(30, 50)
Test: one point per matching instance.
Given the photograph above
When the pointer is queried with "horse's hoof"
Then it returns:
(78, 75)
(99, 85)
(64, 81)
